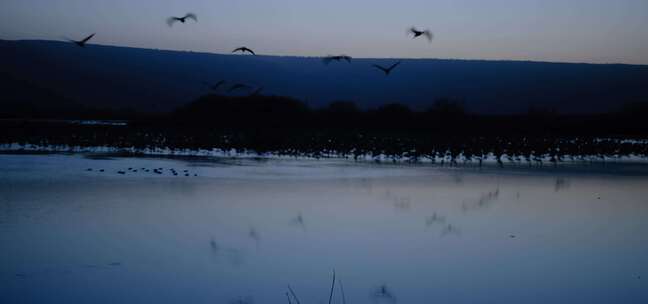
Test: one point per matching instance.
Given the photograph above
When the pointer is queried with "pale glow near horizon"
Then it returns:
(597, 31)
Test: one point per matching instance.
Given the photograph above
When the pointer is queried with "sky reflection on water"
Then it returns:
(245, 231)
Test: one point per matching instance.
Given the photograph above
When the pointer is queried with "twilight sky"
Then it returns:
(600, 31)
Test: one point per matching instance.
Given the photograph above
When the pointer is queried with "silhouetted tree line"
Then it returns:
(445, 116)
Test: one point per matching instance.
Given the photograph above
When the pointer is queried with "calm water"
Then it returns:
(242, 231)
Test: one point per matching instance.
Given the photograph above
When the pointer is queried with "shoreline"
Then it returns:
(460, 160)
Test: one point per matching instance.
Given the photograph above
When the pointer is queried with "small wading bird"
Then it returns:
(173, 20)
(239, 86)
(417, 33)
(243, 50)
(82, 43)
(387, 70)
(328, 59)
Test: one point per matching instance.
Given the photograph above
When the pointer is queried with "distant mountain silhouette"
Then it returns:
(155, 80)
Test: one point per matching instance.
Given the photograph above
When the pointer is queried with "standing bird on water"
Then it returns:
(328, 59)
(173, 20)
(82, 43)
(387, 70)
(418, 33)
(243, 50)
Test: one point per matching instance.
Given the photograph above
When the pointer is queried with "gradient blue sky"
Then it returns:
(600, 31)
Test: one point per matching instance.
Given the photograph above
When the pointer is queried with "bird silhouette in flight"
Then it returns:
(418, 33)
(173, 20)
(215, 86)
(239, 86)
(328, 59)
(82, 43)
(244, 49)
(257, 92)
(387, 70)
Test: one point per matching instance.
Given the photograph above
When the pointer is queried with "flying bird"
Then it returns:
(328, 59)
(173, 20)
(418, 33)
(215, 86)
(239, 86)
(244, 49)
(387, 70)
(82, 43)
(257, 92)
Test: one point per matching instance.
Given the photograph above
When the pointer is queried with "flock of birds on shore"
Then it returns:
(387, 70)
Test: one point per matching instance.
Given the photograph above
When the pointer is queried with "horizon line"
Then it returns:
(359, 58)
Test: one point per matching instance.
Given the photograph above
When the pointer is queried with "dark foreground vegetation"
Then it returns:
(287, 126)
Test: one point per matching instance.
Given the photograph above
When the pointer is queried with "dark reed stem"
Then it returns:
(332, 287)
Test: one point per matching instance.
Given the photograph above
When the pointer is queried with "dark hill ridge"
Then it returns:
(145, 79)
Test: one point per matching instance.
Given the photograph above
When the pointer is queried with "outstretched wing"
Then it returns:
(87, 38)
(393, 66)
(380, 68)
(428, 35)
(172, 20)
(220, 83)
(257, 91)
(238, 86)
(251, 51)
(217, 85)
(191, 16)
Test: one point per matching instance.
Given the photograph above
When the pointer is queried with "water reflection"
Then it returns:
(254, 235)
(560, 184)
(198, 240)
(235, 256)
(434, 219)
(485, 200)
(382, 294)
(400, 202)
(241, 300)
(214, 246)
(403, 204)
(299, 221)
(450, 230)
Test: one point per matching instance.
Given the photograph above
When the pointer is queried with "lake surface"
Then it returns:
(241, 231)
